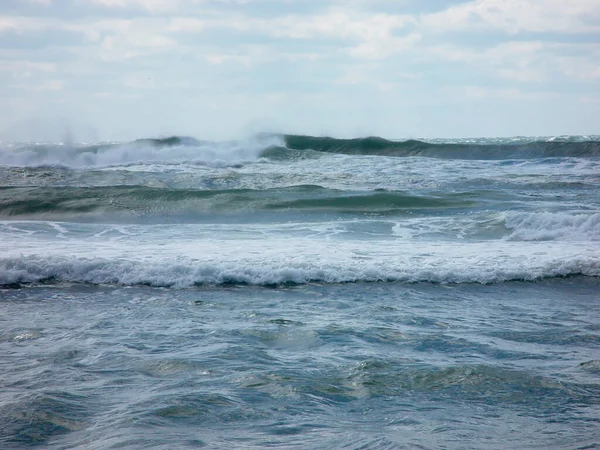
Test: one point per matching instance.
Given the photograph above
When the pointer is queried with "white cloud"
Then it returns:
(590, 99)
(365, 36)
(339, 24)
(297, 54)
(384, 47)
(133, 45)
(501, 94)
(186, 25)
(18, 68)
(246, 56)
(41, 85)
(517, 60)
(581, 68)
(18, 24)
(513, 16)
(527, 61)
(152, 6)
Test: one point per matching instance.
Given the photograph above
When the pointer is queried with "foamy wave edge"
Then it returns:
(176, 150)
(181, 274)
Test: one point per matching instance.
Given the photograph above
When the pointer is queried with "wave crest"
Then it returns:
(188, 272)
(505, 150)
(182, 149)
(172, 150)
(546, 226)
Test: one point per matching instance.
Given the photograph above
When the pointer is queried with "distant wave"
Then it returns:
(495, 150)
(182, 149)
(171, 150)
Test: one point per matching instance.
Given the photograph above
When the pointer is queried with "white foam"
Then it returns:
(512, 225)
(542, 226)
(272, 260)
(134, 153)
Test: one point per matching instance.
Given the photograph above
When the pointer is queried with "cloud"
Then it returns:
(26, 68)
(134, 42)
(383, 47)
(368, 36)
(186, 25)
(230, 59)
(581, 68)
(514, 16)
(502, 94)
(526, 61)
(152, 6)
(340, 24)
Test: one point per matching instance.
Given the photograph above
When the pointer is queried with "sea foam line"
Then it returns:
(188, 272)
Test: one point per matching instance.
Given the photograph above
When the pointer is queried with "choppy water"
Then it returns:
(300, 292)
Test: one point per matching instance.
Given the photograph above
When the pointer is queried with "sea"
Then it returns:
(288, 291)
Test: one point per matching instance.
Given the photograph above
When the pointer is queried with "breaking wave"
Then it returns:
(180, 149)
(172, 150)
(546, 226)
(187, 272)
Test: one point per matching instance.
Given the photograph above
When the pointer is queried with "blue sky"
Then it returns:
(219, 69)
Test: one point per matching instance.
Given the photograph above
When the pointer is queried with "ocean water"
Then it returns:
(300, 292)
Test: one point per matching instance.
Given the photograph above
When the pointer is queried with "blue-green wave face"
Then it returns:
(465, 150)
(141, 200)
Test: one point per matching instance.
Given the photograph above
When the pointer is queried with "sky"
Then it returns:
(222, 69)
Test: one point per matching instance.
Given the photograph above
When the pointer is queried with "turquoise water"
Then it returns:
(297, 292)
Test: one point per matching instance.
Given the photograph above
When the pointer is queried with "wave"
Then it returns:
(171, 150)
(28, 201)
(565, 226)
(183, 272)
(546, 226)
(495, 150)
(183, 149)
